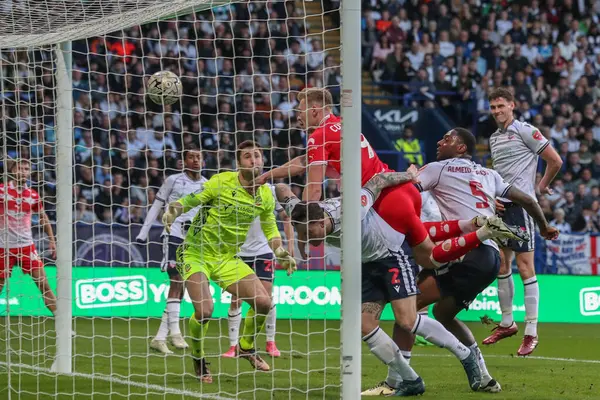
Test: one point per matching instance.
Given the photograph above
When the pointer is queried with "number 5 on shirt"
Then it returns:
(477, 192)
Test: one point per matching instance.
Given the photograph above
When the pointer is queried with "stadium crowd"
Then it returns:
(242, 64)
(433, 53)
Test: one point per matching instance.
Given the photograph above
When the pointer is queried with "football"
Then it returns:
(164, 87)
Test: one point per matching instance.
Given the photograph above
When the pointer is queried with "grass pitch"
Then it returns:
(111, 361)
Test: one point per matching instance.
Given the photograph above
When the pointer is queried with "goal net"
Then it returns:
(241, 65)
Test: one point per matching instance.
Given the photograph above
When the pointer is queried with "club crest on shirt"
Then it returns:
(363, 200)
(258, 201)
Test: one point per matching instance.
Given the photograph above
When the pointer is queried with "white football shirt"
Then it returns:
(378, 239)
(462, 188)
(256, 243)
(430, 212)
(175, 187)
(515, 153)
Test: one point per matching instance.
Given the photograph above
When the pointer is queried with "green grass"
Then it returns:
(112, 361)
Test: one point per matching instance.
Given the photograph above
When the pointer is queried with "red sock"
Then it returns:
(442, 230)
(452, 249)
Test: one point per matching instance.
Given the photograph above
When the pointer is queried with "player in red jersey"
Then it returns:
(399, 206)
(17, 203)
(323, 158)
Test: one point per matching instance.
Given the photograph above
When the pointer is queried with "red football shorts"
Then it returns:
(26, 257)
(400, 207)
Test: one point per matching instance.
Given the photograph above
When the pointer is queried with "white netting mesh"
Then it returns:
(241, 66)
(26, 23)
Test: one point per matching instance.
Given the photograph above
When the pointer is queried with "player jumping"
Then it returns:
(17, 204)
(230, 202)
(516, 147)
(323, 158)
(175, 187)
(258, 255)
(464, 189)
(387, 276)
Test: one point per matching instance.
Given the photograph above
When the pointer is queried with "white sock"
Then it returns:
(234, 319)
(532, 302)
(484, 371)
(270, 324)
(407, 355)
(435, 332)
(393, 378)
(173, 307)
(163, 329)
(506, 293)
(384, 348)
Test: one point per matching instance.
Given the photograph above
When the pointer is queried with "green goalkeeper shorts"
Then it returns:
(224, 271)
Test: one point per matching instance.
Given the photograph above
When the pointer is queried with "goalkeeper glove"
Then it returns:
(286, 260)
(167, 219)
(479, 221)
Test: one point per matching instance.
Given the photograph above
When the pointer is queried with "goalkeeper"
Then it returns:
(230, 202)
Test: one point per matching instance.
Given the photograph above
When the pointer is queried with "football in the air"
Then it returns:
(164, 87)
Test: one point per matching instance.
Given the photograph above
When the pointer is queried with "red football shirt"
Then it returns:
(324, 147)
(16, 208)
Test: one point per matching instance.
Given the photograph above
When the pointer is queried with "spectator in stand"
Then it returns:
(573, 210)
(83, 212)
(586, 179)
(415, 56)
(410, 147)
(447, 48)
(369, 39)
(382, 49)
(559, 221)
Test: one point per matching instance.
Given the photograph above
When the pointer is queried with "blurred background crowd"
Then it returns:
(449, 54)
(241, 66)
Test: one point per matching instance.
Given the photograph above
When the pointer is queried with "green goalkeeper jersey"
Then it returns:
(227, 211)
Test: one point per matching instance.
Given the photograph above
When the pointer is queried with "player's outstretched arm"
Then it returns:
(150, 218)
(288, 229)
(286, 198)
(533, 209)
(314, 182)
(48, 229)
(553, 165)
(284, 258)
(387, 179)
(296, 166)
(269, 227)
(161, 198)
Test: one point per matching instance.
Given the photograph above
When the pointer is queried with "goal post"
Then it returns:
(74, 99)
(351, 107)
(64, 207)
